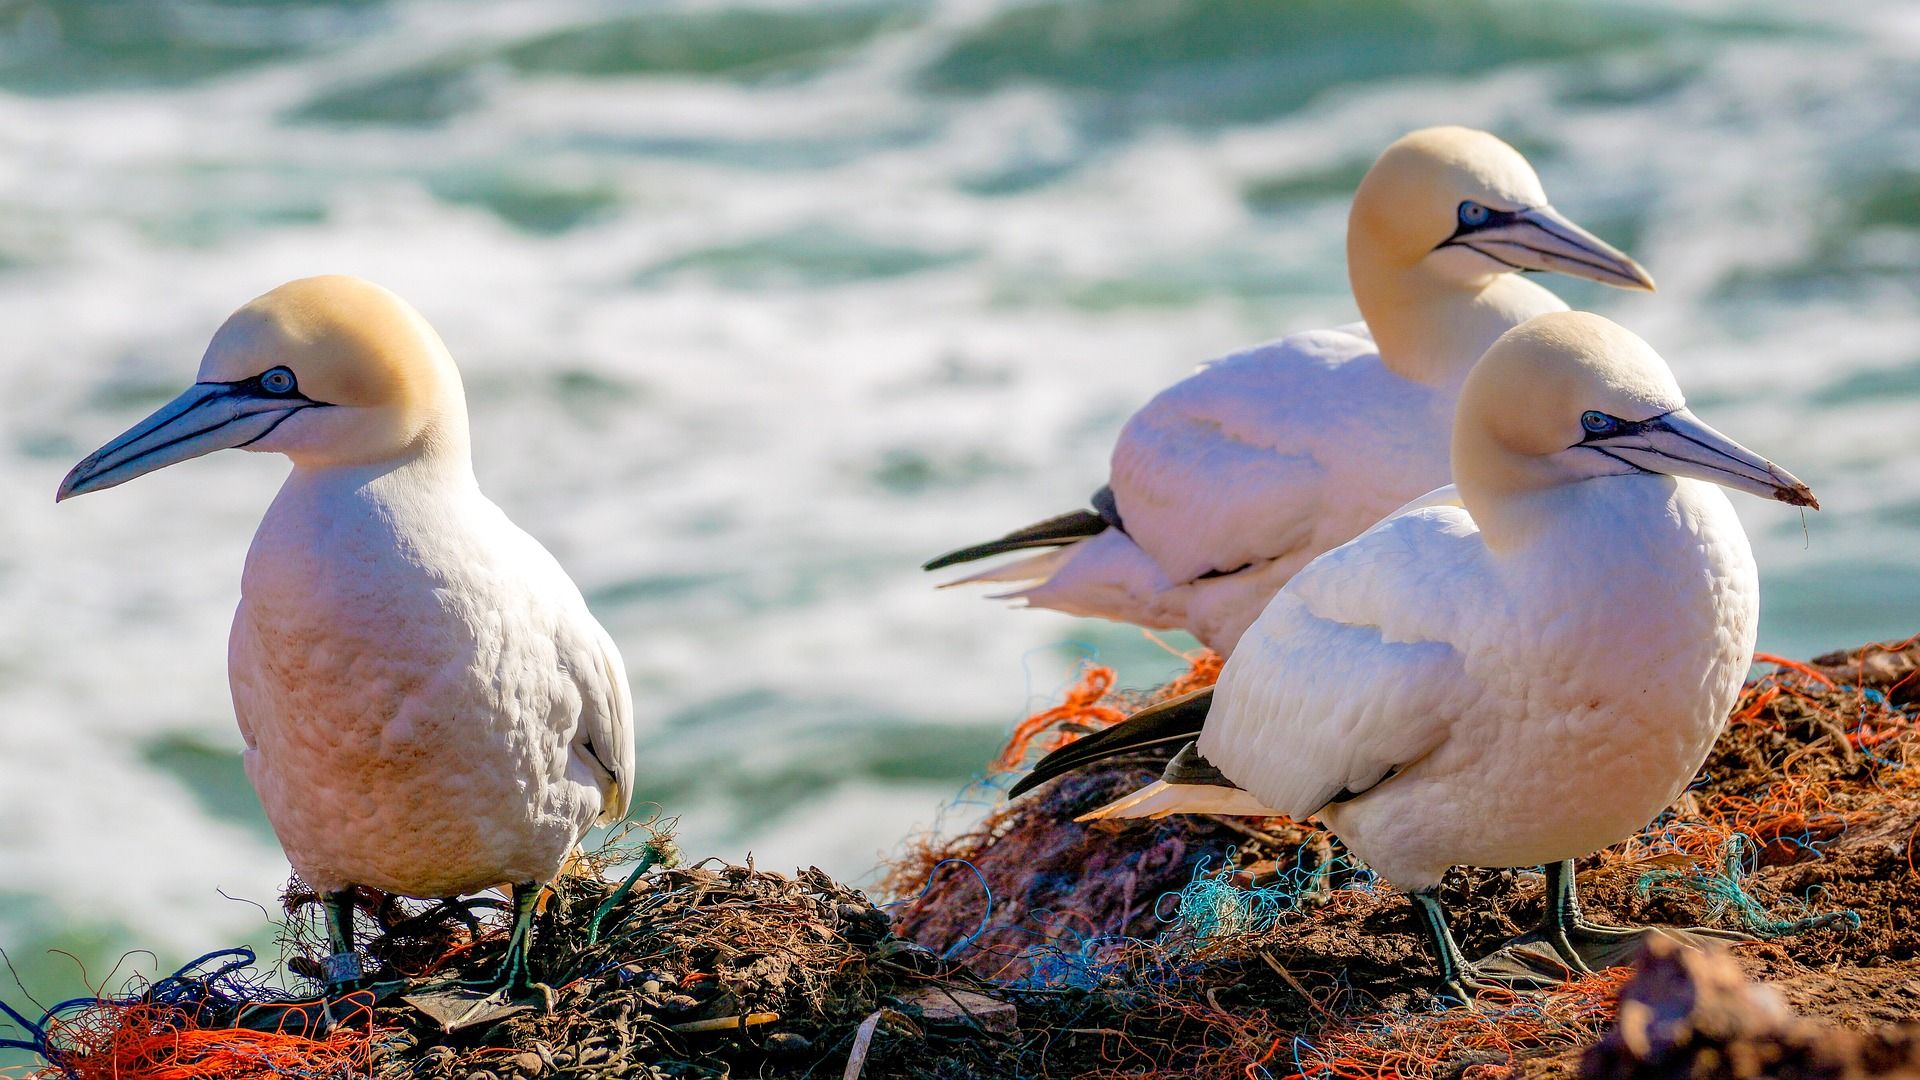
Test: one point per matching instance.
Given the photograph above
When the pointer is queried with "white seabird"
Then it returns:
(1428, 690)
(428, 706)
(1231, 480)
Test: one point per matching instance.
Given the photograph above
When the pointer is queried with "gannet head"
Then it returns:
(1465, 206)
(326, 370)
(1569, 396)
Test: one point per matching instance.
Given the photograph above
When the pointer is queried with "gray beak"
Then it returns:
(1541, 238)
(208, 417)
(1680, 444)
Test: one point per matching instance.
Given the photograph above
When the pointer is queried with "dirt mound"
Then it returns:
(1271, 952)
(1690, 1015)
(1032, 946)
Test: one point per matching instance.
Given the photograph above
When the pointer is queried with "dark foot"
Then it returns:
(456, 1006)
(316, 1018)
(513, 984)
(510, 989)
(1590, 947)
(524, 993)
(1472, 981)
(1458, 979)
(1568, 944)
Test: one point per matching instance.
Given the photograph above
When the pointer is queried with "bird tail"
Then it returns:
(1020, 571)
(1053, 532)
(1160, 798)
(1175, 720)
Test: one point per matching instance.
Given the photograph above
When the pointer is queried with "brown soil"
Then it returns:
(1820, 782)
(1091, 961)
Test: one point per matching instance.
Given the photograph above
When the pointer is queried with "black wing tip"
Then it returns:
(1184, 716)
(1057, 531)
(956, 557)
(1025, 784)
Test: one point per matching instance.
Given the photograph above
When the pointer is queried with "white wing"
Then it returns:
(1357, 668)
(604, 738)
(600, 743)
(1288, 448)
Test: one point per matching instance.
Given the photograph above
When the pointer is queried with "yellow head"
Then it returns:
(1465, 206)
(326, 370)
(1569, 396)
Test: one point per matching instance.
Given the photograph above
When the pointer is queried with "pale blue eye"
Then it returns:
(277, 381)
(1473, 215)
(1598, 422)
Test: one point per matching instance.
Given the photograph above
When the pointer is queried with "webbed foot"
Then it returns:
(1567, 943)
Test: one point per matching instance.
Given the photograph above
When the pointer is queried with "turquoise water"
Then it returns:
(760, 306)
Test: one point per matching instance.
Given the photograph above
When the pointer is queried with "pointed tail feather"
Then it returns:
(1020, 571)
(1159, 799)
(1174, 721)
(1053, 532)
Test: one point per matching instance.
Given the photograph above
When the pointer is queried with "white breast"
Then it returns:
(427, 705)
(1606, 661)
(1529, 705)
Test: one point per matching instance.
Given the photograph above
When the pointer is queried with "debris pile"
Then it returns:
(1032, 946)
(1689, 1015)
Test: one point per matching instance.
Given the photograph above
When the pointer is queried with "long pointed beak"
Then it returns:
(1681, 444)
(1542, 238)
(208, 417)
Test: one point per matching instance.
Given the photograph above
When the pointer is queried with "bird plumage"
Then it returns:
(1562, 628)
(1230, 481)
(428, 706)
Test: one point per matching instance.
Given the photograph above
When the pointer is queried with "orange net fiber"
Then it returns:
(110, 1041)
(1092, 704)
(1421, 1044)
(1814, 780)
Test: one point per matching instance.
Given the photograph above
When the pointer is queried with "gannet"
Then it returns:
(1227, 483)
(428, 707)
(1430, 689)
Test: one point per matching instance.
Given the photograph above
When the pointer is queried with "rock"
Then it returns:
(908, 954)
(862, 924)
(674, 1006)
(649, 980)
(788, 1044)
(1692, 1015)
(1894, 671)
(938, 1006)
(526, 1064)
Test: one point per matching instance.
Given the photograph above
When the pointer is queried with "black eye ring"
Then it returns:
(277, 381)
(1598, 422)
(1473, 215)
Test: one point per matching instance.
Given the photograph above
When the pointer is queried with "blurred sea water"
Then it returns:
(759, 306)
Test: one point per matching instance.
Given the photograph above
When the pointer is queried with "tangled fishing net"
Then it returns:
(1029, 946)
(1203, 946)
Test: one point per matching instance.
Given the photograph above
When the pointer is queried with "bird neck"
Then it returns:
(439, 460)
(1429, 328)
(1502, 489)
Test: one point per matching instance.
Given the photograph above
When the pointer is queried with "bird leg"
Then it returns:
(1460, 978)
(1583, 946)
(464, 1003)
(513, 979)
(342, 968)
(1319, 887)
(649, 856)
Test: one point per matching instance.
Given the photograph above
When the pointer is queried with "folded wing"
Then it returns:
(1359, 667)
